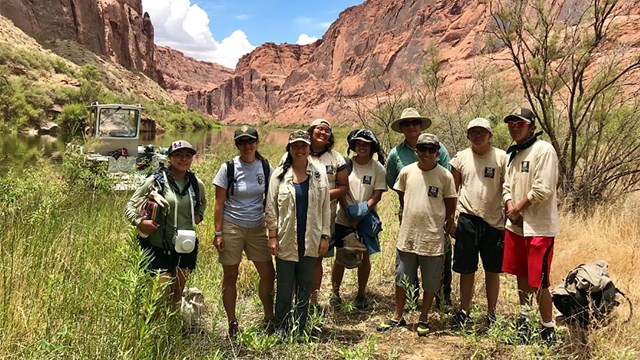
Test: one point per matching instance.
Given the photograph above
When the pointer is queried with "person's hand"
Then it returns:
(197, 219)
(354, 223)
(273, 246)
(324, 246)
(218, 242)
(452, 229)
(514, 214)
(147, 226)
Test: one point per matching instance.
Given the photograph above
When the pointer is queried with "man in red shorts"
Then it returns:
(529, 193)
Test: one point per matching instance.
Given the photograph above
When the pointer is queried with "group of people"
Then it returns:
(316, 202)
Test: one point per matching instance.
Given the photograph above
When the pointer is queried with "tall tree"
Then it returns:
(580, 79)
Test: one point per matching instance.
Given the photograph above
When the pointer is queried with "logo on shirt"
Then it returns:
(524, 166)
(260, 179)
(489, 172)
(329, 169)
(316, 175)
(433, 191)
(366, 179)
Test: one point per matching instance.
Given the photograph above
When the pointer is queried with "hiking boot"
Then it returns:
(335, 302)
(548, 335)
(234, 328)
(459, 320)
(390, 324)
(422, 328)
(352, 243)
(362, 303)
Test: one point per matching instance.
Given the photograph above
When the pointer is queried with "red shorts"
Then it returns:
(528, 257)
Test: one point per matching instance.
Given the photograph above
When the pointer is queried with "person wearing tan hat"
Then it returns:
(429, 195)
(411, 124)
(529, 194)
(184, 203)
(241, 185)
(478, 172)
(298, 218)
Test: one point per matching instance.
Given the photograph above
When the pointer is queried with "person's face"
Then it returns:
(321, 134)
(520, 130)
(299, 149)
(362, 148)
(411, 127)
(427, 154)
(479, 136)
(247, 145)
(181, 159)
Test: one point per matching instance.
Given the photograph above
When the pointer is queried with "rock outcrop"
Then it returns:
(115, 29)
(183, 74)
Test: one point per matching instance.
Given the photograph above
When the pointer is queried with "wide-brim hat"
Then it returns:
(410, 114)
(181, 144)
(521, 114)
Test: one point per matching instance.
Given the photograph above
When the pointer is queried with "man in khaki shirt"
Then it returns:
(529, 193)
(478, 172)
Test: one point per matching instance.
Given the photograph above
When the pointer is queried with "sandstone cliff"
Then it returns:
(183, 74)
(116, 29)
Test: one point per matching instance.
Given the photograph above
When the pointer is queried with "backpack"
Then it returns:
(231, 177)
(157, 173)
(588, 295)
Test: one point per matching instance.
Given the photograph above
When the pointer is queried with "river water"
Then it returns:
(18, 151)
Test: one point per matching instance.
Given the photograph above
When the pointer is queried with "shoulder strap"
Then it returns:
(231, 178)
(266, 170)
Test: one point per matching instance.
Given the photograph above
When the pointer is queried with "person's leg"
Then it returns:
(466, 291)
(430, 268)
(445, 289)
(317, 280)
(337, 271)
(545, 304)
(286, 280)
(524, 291)
(492, 252)
(265, 289)
(540, 255)
(406, 269)
(465, 258)
(304, 271)
(337, 274)
(182, 275)
(363, 275)
(400, 298)
(492, 285)
(229, 291)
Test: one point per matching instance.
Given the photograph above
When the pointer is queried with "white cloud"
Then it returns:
(243, 17)
(185, 26)
(325, 25)
(304, 39)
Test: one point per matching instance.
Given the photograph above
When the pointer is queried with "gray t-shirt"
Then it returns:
(244, 208)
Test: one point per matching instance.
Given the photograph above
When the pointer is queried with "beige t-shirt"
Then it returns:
(363, 181)
(481, 186)
(534, 173)
(424, 212)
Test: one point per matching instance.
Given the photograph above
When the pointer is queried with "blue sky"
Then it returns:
(222, 31)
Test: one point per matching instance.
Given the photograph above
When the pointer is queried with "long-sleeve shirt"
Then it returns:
(280, 212)
(403, 155)
(533, 173)
(167, 227)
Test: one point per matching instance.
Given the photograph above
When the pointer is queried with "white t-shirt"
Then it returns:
(363, 181)
(421, 231)
(481, 186)
(244, 207)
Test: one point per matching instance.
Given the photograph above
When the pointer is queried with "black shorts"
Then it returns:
(168, 260)
(473, 236)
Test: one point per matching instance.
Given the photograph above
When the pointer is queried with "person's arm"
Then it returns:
(457, 178)
(326, 222)
(133, 213)
(218, 215)
(271, 212)
(202, 203)
(391, 168)
(342, 184)
(374, 199)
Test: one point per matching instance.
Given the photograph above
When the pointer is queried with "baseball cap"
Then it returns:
(521, 114)
(481, 123)
(428, 139)
(317, 122)
(299, 135)
(245, 130)
(181, 144)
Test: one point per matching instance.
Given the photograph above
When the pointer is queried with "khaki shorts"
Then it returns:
(237, 238)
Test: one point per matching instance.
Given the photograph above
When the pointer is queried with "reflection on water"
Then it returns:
(18, 151)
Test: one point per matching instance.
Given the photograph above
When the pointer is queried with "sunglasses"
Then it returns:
(427, 148)
(245, 141)
(415, 122)
(517, 124)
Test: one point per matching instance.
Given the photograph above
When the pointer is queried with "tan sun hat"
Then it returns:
(410, 114)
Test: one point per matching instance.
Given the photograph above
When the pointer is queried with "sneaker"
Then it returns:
(459, 320)
(234, 328)
(335, 302)
(491, 319)
(352, 243)
(422, 328)
(548, 335)
(390, 324)
(362, 303)
(268, 326)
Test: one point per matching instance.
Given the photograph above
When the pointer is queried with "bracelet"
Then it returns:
(218, 233)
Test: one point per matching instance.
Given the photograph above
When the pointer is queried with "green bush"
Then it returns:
(73, 118)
